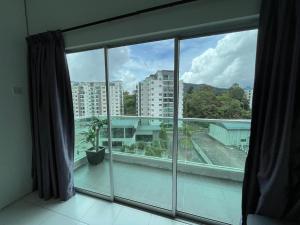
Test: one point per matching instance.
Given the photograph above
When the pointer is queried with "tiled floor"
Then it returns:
(213, 198)
(79, 210)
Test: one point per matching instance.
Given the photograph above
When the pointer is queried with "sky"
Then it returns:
(217, 60)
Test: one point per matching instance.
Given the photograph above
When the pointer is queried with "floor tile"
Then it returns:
(58, 219)
(24, 213)
(75, 207)
(35, 199)
(159, 220)
(102, 213)
(208, 197)
(129, 216)
(79, 210)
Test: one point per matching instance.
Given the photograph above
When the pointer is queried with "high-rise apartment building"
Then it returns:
(155, 95)
(89, 98)
(249, 96)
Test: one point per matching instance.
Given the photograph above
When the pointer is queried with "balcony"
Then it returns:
(211, 157)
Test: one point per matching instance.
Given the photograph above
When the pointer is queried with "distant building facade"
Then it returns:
(155, 95)
(249, 96)
(89, 98)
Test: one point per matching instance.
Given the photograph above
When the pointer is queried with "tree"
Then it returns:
(185, 141)
(187, 130)
(131, 148)
(236, 92)
(124, 147)
(201, 103)
(206, 103)
(154, 150)
(129, 103)
(190, 90)
(92, 135)
(163, 136)
(229, 108)
(141, 145)
(163, 131)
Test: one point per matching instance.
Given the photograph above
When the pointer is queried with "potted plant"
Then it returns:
(96, 153)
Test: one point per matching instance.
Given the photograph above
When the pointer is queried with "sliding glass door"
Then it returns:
(175, 119)
(217, 73)
(141, 98)
(87, 73)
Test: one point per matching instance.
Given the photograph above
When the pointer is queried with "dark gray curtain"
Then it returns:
(51, 116)
(272, 173)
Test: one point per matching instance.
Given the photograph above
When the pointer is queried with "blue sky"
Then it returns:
(218, 60)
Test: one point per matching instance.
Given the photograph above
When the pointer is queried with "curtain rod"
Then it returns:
(151, 9)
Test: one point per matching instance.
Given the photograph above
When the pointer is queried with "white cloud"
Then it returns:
(125, 64)
(86, 66)
(131, 68)
(231, 61)
(121, 67)
(117, 57)
(89, 66)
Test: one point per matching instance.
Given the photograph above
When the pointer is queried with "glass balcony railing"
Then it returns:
(214, 142)
(210, 166)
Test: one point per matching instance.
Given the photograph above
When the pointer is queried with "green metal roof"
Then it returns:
(124, 123)
(151, 127)
(147, 129)
(236, 125)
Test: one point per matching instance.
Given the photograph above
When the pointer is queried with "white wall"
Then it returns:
(58, 14)
(15, 137)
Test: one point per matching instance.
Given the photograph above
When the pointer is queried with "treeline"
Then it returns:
(207, 103)
(129, 104)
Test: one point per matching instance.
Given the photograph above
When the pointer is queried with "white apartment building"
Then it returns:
(89, 98)
(249, 96)
(155, 95)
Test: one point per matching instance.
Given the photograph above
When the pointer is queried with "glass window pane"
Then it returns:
(117, 132)
(217, 75)
(89, 103)
(141, 79)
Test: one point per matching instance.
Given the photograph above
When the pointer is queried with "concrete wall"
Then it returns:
(15, 137)
(184, 20)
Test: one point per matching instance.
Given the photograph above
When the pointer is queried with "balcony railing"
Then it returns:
(214, 147)
(211, 157)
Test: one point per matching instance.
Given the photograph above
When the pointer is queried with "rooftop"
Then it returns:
(235, 125)
(124, 123)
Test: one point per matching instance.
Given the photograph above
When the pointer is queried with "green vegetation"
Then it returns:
(185, 141)
(129, 104)
(154, 149)
(129, 148)
(123, 148)
(163, 136)
(206, 103)
(141, 145)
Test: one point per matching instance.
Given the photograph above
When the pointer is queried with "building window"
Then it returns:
(117, 132)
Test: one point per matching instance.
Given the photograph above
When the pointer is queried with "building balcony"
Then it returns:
(211, 158)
